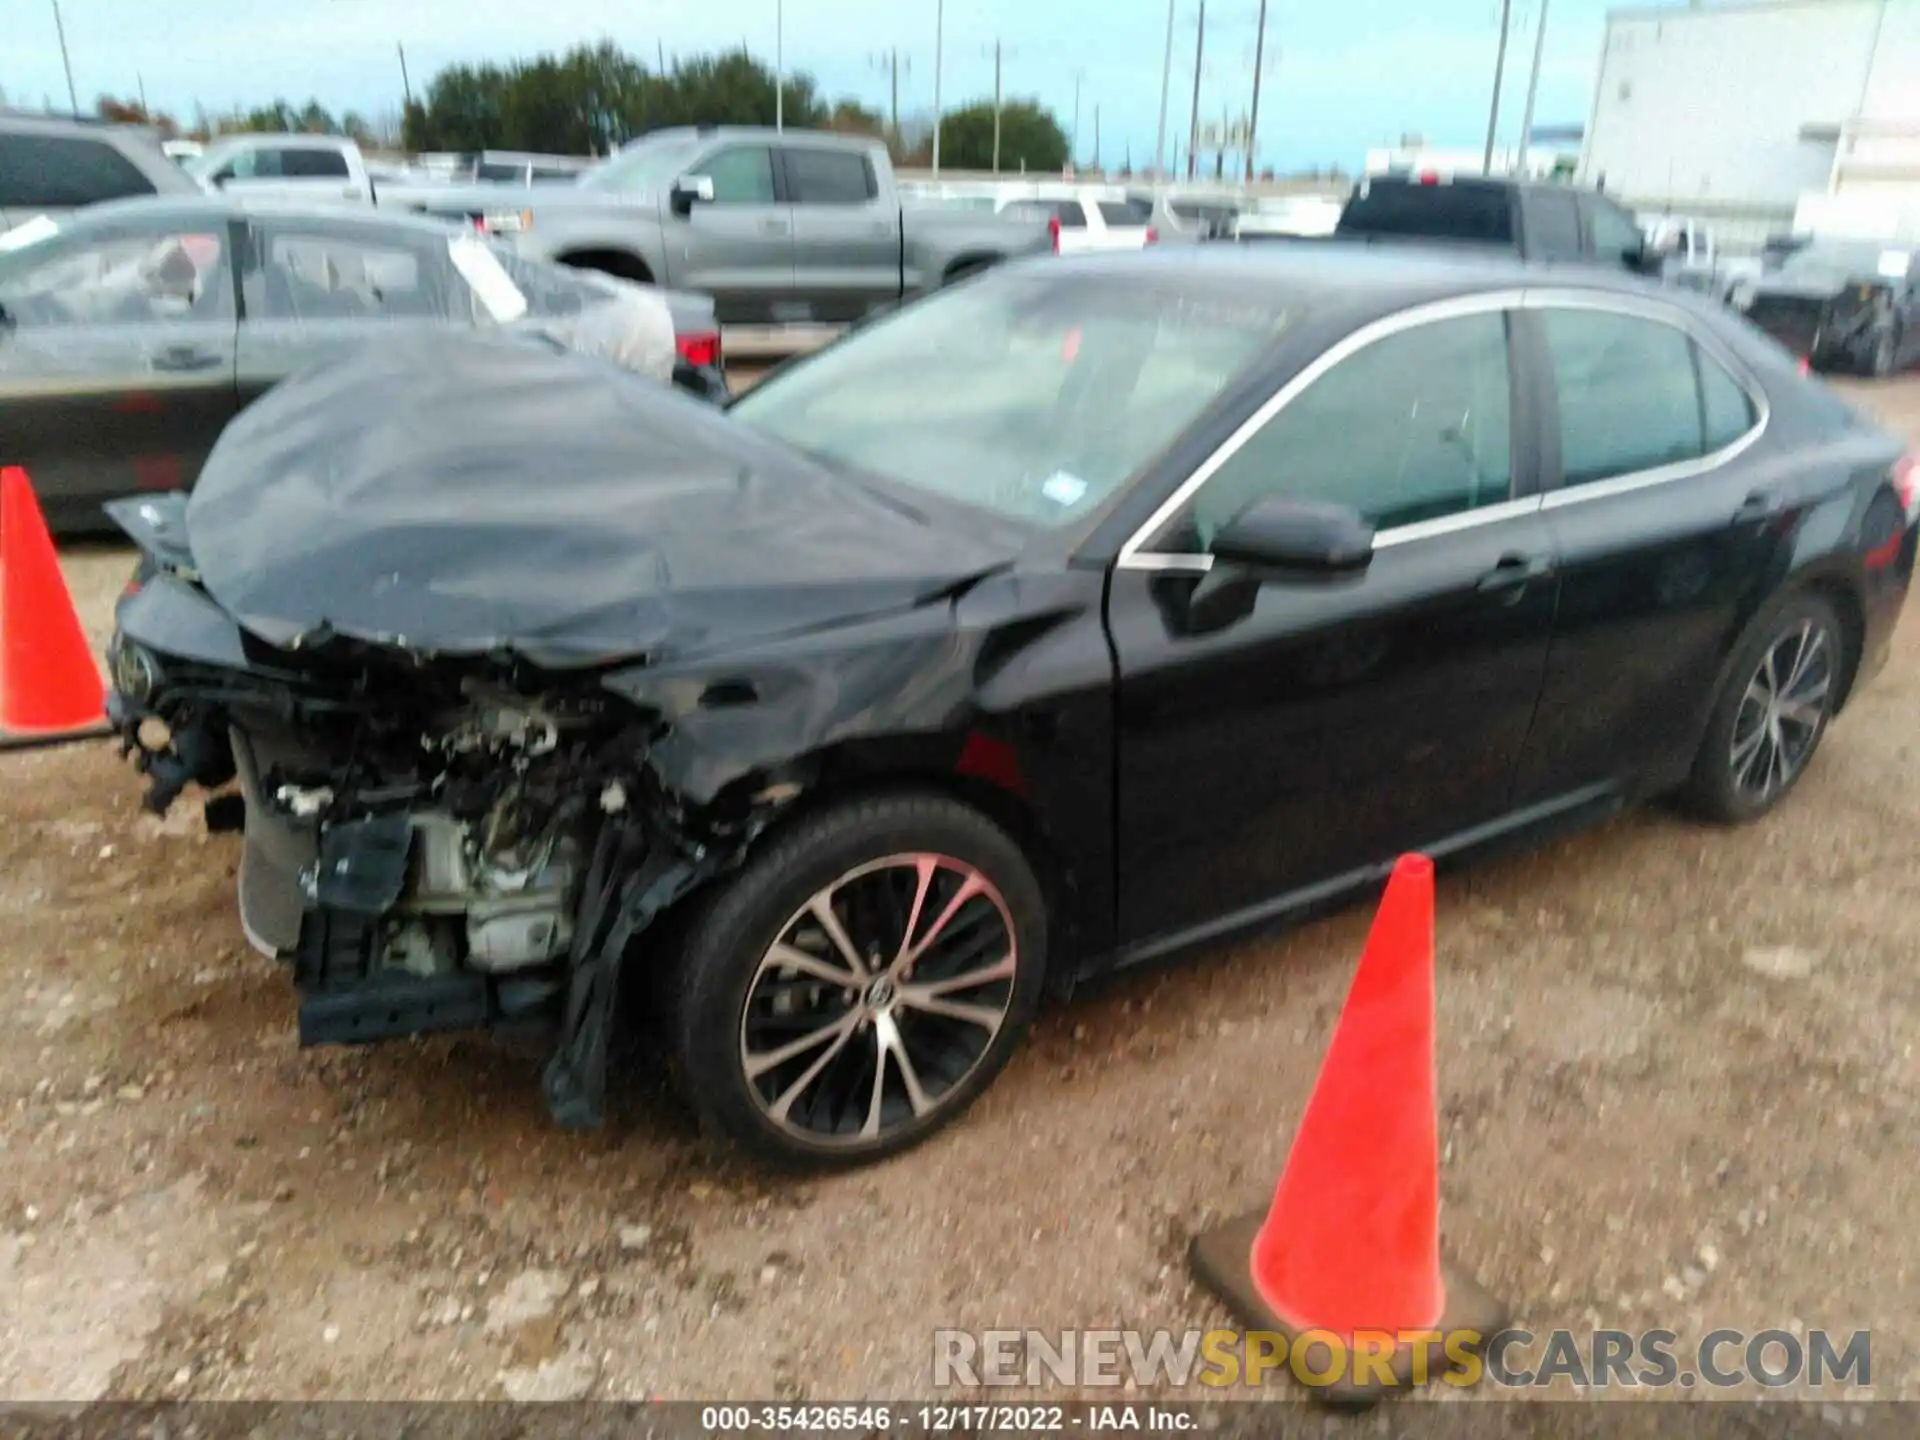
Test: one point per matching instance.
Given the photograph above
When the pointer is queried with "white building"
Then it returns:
(1749, 106)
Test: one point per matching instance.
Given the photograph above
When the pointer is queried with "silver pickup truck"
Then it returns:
(787, 227)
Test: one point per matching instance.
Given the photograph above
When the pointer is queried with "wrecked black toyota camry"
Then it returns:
(1068, 618)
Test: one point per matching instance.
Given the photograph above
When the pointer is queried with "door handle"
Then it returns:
(184, 357)
(774, 227)
(1513, 574)
(1760, 505)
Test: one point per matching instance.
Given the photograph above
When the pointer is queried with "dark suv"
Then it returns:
(54, 163)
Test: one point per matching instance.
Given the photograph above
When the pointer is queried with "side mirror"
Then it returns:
(1272, 540)
(1278, 537)
(687, 190)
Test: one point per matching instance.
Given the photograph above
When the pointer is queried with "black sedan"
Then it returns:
(1066, 619)
(131, 333)
(1840, 304)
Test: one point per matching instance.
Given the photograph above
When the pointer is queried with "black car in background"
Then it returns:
(1840, 304)
(131, 333)
(1064, 620)
(1533, 220)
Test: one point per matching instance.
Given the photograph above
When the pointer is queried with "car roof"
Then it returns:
(1348, 274)
(202, 208)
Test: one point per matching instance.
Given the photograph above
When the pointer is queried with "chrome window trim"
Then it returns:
(1134, 554)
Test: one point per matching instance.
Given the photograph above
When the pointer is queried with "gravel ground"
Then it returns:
(1678, 1089)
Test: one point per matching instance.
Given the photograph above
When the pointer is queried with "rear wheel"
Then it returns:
(1772, 714)
(858, 984)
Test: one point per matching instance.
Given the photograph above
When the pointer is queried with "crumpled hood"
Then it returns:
(463, 494)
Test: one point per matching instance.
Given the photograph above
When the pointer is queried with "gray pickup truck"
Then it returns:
(787, 227)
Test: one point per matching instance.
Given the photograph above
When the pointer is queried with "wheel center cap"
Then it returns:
(880, 993)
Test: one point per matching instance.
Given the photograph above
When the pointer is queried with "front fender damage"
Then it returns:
(740, 738)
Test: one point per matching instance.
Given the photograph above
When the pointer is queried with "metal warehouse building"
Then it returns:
(1737, 110)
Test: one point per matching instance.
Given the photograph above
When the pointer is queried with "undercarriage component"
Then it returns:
(395, 1005)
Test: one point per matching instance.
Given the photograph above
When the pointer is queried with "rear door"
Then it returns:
(738, 247)
(846, 238)
(1337, 723)
(312, 287)
(117, 369)
(1669, 519)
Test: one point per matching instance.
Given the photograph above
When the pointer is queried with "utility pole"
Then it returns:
(1096, 135)
(141, 81)
(1074, 153)
(890, 63)
(1253, 115)
(1533, 89)
(1199, 58)
(406, 85)
(779, 64)
(1499, 75)
(60, 28)
(660, 55)
(998, 54)
(1166, 85)
(939, 32)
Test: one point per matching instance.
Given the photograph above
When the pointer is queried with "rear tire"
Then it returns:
(804, 1025)
(1772, 712)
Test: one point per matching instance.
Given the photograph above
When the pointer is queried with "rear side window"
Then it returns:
(1631, 395)
(64, 171)
(1126, 212)
(1481, 213)
(313, 164)
(1070, 215)
(1726, 410)
(830, 177)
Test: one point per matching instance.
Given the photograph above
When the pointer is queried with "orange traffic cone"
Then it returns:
(49, 685)
(1348, 1255)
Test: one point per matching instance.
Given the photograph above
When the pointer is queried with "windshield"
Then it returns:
(1846, 259)
(1034, 395)
(649, 165)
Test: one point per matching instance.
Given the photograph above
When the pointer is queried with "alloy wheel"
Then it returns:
(1782, 712)
(877, 999)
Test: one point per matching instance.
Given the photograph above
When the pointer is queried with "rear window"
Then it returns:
(1126, 212)
(313, 164)
(62, 171)
(1482, 213)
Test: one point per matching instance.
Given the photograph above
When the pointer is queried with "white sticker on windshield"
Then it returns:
(488, 277)
(1894, 264)
(1063, 489)
(32, 232)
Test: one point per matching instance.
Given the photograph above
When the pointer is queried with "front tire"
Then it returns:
(858, 984)
(1772, 712)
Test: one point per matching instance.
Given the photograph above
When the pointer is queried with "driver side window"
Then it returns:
(741, 176)
(1415, 426)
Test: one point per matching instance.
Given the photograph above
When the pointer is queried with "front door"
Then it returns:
(738, 247)
(316, 287)
(1338, 722)
(116, 361)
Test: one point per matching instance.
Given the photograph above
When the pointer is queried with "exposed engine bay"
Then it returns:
(428, 850)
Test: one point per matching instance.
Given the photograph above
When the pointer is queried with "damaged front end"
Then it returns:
(431, 846)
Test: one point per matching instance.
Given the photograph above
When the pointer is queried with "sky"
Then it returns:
(1338, 78)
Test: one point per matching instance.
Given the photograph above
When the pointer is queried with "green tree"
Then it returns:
(1029, 136)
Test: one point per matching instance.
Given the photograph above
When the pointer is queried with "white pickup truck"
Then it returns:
(314, 168)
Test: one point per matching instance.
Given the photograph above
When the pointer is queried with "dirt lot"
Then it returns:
(1678, 1079)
